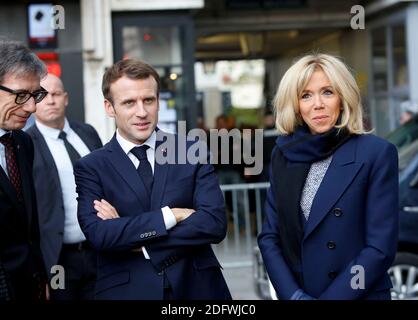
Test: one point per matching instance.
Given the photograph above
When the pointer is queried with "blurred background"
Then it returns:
(220, 62)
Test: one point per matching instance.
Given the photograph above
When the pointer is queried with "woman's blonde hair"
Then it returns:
(294, 81)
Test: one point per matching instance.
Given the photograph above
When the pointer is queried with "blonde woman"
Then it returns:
(331, 220)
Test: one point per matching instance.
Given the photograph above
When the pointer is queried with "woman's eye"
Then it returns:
(328, 92)
(306, 96)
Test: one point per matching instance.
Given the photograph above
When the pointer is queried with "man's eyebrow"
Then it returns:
(127, 100)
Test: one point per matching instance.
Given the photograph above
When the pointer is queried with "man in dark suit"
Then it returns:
(58, 142)
(20, 255)
(153, 224)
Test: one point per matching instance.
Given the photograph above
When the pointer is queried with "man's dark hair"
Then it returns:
(16, 59)
(131, 68)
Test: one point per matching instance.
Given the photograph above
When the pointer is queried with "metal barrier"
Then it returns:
(244, 208)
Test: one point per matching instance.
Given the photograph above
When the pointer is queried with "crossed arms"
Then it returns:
(109, 230)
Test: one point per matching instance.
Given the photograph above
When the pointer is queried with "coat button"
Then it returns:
(331, 245)
(332, 275)
(338, 212)
(160, 273)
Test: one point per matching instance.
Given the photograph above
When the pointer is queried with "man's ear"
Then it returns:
(110, 110)
(66, 99)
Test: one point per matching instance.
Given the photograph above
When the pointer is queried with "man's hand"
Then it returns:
(105, 210)
(6, 110)
(47, 293)
(182, 213)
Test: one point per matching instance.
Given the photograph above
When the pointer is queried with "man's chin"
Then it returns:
(143, 135)
(18, 125)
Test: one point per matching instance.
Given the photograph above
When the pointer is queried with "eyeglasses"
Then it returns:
(22, 96)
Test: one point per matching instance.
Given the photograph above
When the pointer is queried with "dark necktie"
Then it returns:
(72, 152)
(144, 169)
(11, 164)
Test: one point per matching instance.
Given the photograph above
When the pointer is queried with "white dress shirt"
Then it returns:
(127, 146)
(3, 153)
(72, 230)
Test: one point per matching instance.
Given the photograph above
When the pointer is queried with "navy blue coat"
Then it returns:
(183, 253)
(353, 221)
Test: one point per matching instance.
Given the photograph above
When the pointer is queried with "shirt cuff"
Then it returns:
(146, 255)
(169, 218)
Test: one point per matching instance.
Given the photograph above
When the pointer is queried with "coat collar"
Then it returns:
(341, 172)
(26, 178)
(127, 171)
(43, 149)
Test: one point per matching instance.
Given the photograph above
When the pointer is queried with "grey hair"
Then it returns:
(17, 59)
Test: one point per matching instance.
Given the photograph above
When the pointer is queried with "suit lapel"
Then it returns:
(123, 165)
(40, 143)
(83, 136)
(338, 177)
(7, 188)
(160, 177)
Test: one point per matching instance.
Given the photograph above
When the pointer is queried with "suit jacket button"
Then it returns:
(338, 212)
(331, 245)
(332, 275)
(160, 273)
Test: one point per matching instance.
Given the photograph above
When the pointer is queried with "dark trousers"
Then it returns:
(79, 262)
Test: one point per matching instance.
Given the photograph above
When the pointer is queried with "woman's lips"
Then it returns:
(319, 117)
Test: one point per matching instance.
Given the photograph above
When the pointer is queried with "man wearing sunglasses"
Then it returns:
(22, 264)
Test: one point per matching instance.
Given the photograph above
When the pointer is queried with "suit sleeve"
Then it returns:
(381, 232)
(122, 234)
(205, 226)
(279, 272)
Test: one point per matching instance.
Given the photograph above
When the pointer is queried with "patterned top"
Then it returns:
(312, 183)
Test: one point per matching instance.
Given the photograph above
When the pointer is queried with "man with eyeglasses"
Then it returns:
(58, 144)
(23, 270)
